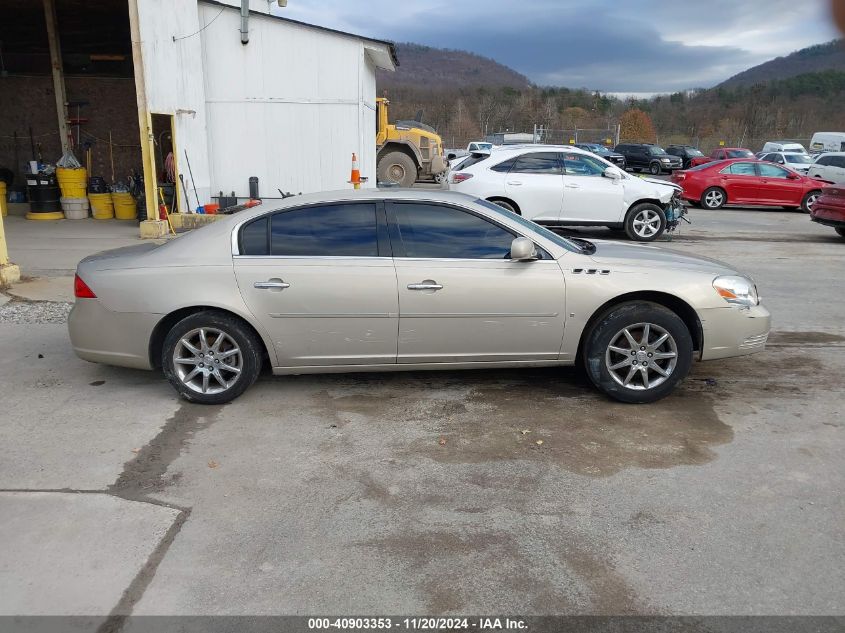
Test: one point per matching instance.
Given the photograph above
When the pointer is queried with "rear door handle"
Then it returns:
(266, 285)
(572, 186)
(515, 183)
(426, 285)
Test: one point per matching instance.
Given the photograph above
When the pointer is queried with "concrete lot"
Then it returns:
(429, 492)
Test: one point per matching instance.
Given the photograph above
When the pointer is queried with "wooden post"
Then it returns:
(58, 72)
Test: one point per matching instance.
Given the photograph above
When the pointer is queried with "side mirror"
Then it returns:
(523, 250)
(611, 173)
(793, 176)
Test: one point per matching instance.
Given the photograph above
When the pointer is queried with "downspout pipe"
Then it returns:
(244, 22)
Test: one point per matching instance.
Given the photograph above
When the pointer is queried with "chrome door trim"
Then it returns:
(338, 315)
(425, 286)
(263, 285)
(481, 315)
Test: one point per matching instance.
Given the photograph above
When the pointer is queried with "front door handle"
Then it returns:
(572, 186)
(515, 183)
(426, 285)
(266, 285)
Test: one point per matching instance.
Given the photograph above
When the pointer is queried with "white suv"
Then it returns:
(559, 185)
(829, 166)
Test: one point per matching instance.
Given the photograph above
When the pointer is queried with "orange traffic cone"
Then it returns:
(355, 178)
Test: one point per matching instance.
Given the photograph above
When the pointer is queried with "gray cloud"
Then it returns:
(608, 45)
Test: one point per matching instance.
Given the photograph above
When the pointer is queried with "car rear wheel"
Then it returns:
(645, 222)
(714, 198)
(654, 169)
(211, 357)
(638, 352)
(506, 204)
(809, 200)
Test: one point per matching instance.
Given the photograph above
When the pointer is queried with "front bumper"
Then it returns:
(114, 338)
(731, 331)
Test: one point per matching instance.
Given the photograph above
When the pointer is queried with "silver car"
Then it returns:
(406, 280)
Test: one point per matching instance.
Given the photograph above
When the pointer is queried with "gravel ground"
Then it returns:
(26, 312)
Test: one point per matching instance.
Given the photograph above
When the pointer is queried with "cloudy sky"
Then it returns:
(620, 46)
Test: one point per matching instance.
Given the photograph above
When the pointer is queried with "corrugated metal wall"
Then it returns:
(289, 107)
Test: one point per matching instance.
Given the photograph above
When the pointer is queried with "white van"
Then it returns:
(827, 142)
(783, 146)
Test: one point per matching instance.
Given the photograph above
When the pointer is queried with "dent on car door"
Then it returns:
(321, 281)
(535, 183)
(461, 298)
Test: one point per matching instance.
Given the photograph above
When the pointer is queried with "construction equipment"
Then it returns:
(407, 150)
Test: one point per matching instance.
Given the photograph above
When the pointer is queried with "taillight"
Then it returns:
(81, 289)
(459, 177)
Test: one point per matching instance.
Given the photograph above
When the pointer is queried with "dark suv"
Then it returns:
(639, 156)
(604, 152)
(685, 152)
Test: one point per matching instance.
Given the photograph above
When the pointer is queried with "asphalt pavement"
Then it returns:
(454, 492)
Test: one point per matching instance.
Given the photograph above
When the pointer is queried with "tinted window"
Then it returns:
(537, 163)
(740, 169)
(435, 231)
(825, 160)
(740, 153)
(504, 166)
(772, 171)
(837, 161)
(675, 151)
(254, 238)
(347, 230)
(581, 165)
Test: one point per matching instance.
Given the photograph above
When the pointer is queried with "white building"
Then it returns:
(289, 105)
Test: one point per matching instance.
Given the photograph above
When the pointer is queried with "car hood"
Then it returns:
(644, 255)
(657, 181)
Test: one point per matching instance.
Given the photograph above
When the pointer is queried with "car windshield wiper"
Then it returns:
(587, 247)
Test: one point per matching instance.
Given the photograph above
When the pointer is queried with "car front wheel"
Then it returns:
(809, 200)
(654, 169)
(645, 222)
(638, 352)
(211, 357)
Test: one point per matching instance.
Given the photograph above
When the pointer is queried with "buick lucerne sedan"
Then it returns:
(406, 280)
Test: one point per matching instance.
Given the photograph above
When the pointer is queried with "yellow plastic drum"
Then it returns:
(124, 206)
(102, 207)
(72, 182)
(4, 210)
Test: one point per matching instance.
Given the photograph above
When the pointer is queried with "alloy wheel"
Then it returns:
(646, 223)
(207, 360)
(811, 200)
(641, 356)
(714, 199)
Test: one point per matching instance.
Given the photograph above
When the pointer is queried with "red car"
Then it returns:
(722, 153)
(747, 182)
(829, 209)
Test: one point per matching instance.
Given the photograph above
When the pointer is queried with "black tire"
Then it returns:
(397, 167)
(608, 329)
(654, 169)
(840, 231)
(249, 365)
(506, 204)
(715, 200)
(648, 213)
(809, 199)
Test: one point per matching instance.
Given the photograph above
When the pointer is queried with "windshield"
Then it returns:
(740, 153)
(694, 152)
(656, 151)
(802, 159)
(600, 149)
(531, 226)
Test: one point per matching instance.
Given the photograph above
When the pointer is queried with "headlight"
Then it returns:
(665, 160)
(738, 291)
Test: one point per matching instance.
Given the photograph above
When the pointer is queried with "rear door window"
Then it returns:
(333, 230)
(538, 163)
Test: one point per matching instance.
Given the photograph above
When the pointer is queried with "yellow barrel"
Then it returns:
(102, 207)
(4, 210)
(124, 206)
(72, 182)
